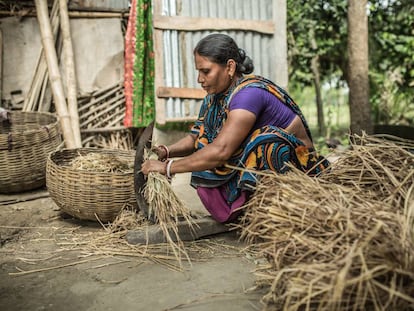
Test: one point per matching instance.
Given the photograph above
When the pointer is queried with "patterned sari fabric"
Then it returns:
(139, 66)
(266, 148)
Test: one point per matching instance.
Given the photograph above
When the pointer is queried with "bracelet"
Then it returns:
(167, 151)
(168, 170)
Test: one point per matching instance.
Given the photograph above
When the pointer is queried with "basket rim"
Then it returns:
(51, 124)
(90, 150)
(16, 139)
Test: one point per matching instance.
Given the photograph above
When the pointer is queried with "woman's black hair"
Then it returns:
(219, 48)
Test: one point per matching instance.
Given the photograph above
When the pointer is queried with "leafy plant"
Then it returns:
(390, 104)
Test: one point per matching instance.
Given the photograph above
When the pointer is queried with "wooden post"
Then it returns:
(202, 227)
(160, 114)
(71, 83)
(54, 74)
(358, 62)
(280, 38)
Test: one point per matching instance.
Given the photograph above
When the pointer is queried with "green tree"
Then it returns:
(316, 45)
(392, 61)
(317, 38)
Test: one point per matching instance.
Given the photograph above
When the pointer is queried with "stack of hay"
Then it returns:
(343, 241)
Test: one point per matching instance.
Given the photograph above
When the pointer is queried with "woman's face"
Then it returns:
(213, 78)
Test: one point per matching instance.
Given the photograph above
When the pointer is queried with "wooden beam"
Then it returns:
(72, 14)
(153, 234)
(182, 119)
(202, 23)
(159, 64)
(180, 92)
(280, 43)
(103, 129)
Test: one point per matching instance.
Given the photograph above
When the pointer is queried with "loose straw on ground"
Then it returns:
(108, 243)
(343, 241)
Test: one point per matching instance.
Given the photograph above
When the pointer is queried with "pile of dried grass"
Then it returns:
(167, 210)
(376, 167)
(344, 241)
(127, 219)
(99, 162)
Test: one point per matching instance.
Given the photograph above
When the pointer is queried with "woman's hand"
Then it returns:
(154, 166)
(161, 151)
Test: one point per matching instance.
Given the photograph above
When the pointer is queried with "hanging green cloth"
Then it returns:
(139, 66)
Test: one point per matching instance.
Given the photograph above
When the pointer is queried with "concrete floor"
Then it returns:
(219, 281)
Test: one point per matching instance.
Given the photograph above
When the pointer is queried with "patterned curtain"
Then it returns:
(139, 66)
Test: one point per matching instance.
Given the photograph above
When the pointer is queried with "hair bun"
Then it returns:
(246, 64)
(242, 54)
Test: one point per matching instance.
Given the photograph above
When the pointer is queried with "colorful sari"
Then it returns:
(139, 66)
(266, 148)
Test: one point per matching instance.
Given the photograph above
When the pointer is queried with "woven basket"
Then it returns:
(26, 139)
(88, 194)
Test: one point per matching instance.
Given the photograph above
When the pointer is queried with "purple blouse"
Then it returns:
(269, 110)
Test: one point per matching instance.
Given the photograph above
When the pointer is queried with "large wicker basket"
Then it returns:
(86, 194)
(26, 139)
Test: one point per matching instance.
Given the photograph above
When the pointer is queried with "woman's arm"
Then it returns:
(183, 147)
(235, 130)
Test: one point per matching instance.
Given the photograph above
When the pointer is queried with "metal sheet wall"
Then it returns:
(179, 68)
(103, 5)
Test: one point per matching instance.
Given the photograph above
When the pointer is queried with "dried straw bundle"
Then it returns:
(167, 210)
(127, 219)
(98, 162)
(333, 246)
(376, 167)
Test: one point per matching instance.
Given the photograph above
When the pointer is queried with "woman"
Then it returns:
(245, 121)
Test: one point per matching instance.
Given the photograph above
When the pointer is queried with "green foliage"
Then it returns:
(390, 104)
(392, 40)
(336, 111)
(182, 126)
(392, 61)
(316, 28)
(319, 28)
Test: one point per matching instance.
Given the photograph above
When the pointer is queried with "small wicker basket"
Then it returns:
(26, 139)
(86, 194)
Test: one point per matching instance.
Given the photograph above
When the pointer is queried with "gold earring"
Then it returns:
(231, 76)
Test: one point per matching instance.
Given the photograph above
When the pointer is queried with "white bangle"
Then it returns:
(170, 162)
(167, 151)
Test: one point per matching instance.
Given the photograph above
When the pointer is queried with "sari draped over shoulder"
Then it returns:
(266, 148)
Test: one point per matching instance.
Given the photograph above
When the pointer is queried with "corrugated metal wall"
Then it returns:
(256, 45)
(179, 70)
(103, 5)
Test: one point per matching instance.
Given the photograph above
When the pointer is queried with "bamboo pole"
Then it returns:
(34, 97)
(71, 83)
(45, 97)
(1, 65)
(54, 74)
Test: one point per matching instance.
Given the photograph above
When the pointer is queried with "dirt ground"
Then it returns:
(41, 268)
